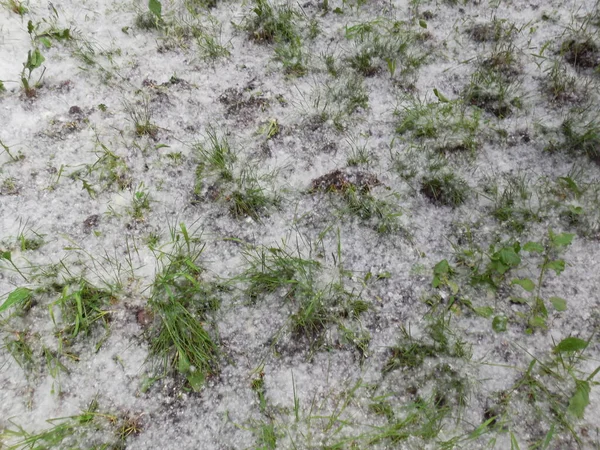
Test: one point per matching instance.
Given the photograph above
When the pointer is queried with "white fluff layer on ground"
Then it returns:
(462, 130)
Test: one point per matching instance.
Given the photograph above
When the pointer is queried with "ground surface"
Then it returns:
(319, 225)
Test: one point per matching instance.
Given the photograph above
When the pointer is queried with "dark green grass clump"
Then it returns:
(445, 189)
(181, 302)
(581, 53)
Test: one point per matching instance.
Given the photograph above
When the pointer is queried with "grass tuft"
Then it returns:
(445, 189)
(181, 301)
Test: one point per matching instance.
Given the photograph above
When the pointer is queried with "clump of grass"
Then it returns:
(580, 137)
(493, 93)
(298, 281)
(354, 188)
(181, 302)
(382, 215)
(251, 200)
(412, 353)
(581, 52)
(108, 171)
(514, 204)
(216, 155)
(9, 186)
(448, 126)
(243, 190)
(559, 85)
(494, 85)
(18, 346)
(383, 44)
(503, 61)
(360, 154)
(446, 189)
(195, 5)
(277, 24)
(112, 170)
(337, 100)
(270, 24)
(312, 316)
(274, 268)
(211, 46)
(493, 31)
(81, 306)
(266, 436)
(140, 203)
(363, 63)
(66, 432)
(15, 6)
(30, 241)
(181, 342)
(140, 115)
(292, 58)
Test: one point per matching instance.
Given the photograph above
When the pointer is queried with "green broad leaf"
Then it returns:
(6, 255)
(560, 304)
(453, 287)
(196, 380)
(570, 344)
(65, 34)
(509, 257)
(46, 42)
(422, 23)
(391, 63)
(155, 7)
(500, 267)
(439, 270)
(533, 247)
(577, 210)
(441, 97)
(580, 399)
(183, 365)
(37, 58)
(525, 283)
(19, 295)
(499, 324)
(558, 266)
(147, 383)
(562, 239)
(540, 307)
(504, 259)
(484, 311)
(570, 184)
(538, 322)
(518, 300)
(442, 267)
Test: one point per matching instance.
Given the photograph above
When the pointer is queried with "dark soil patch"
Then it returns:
(340, 181)
(581, 54)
